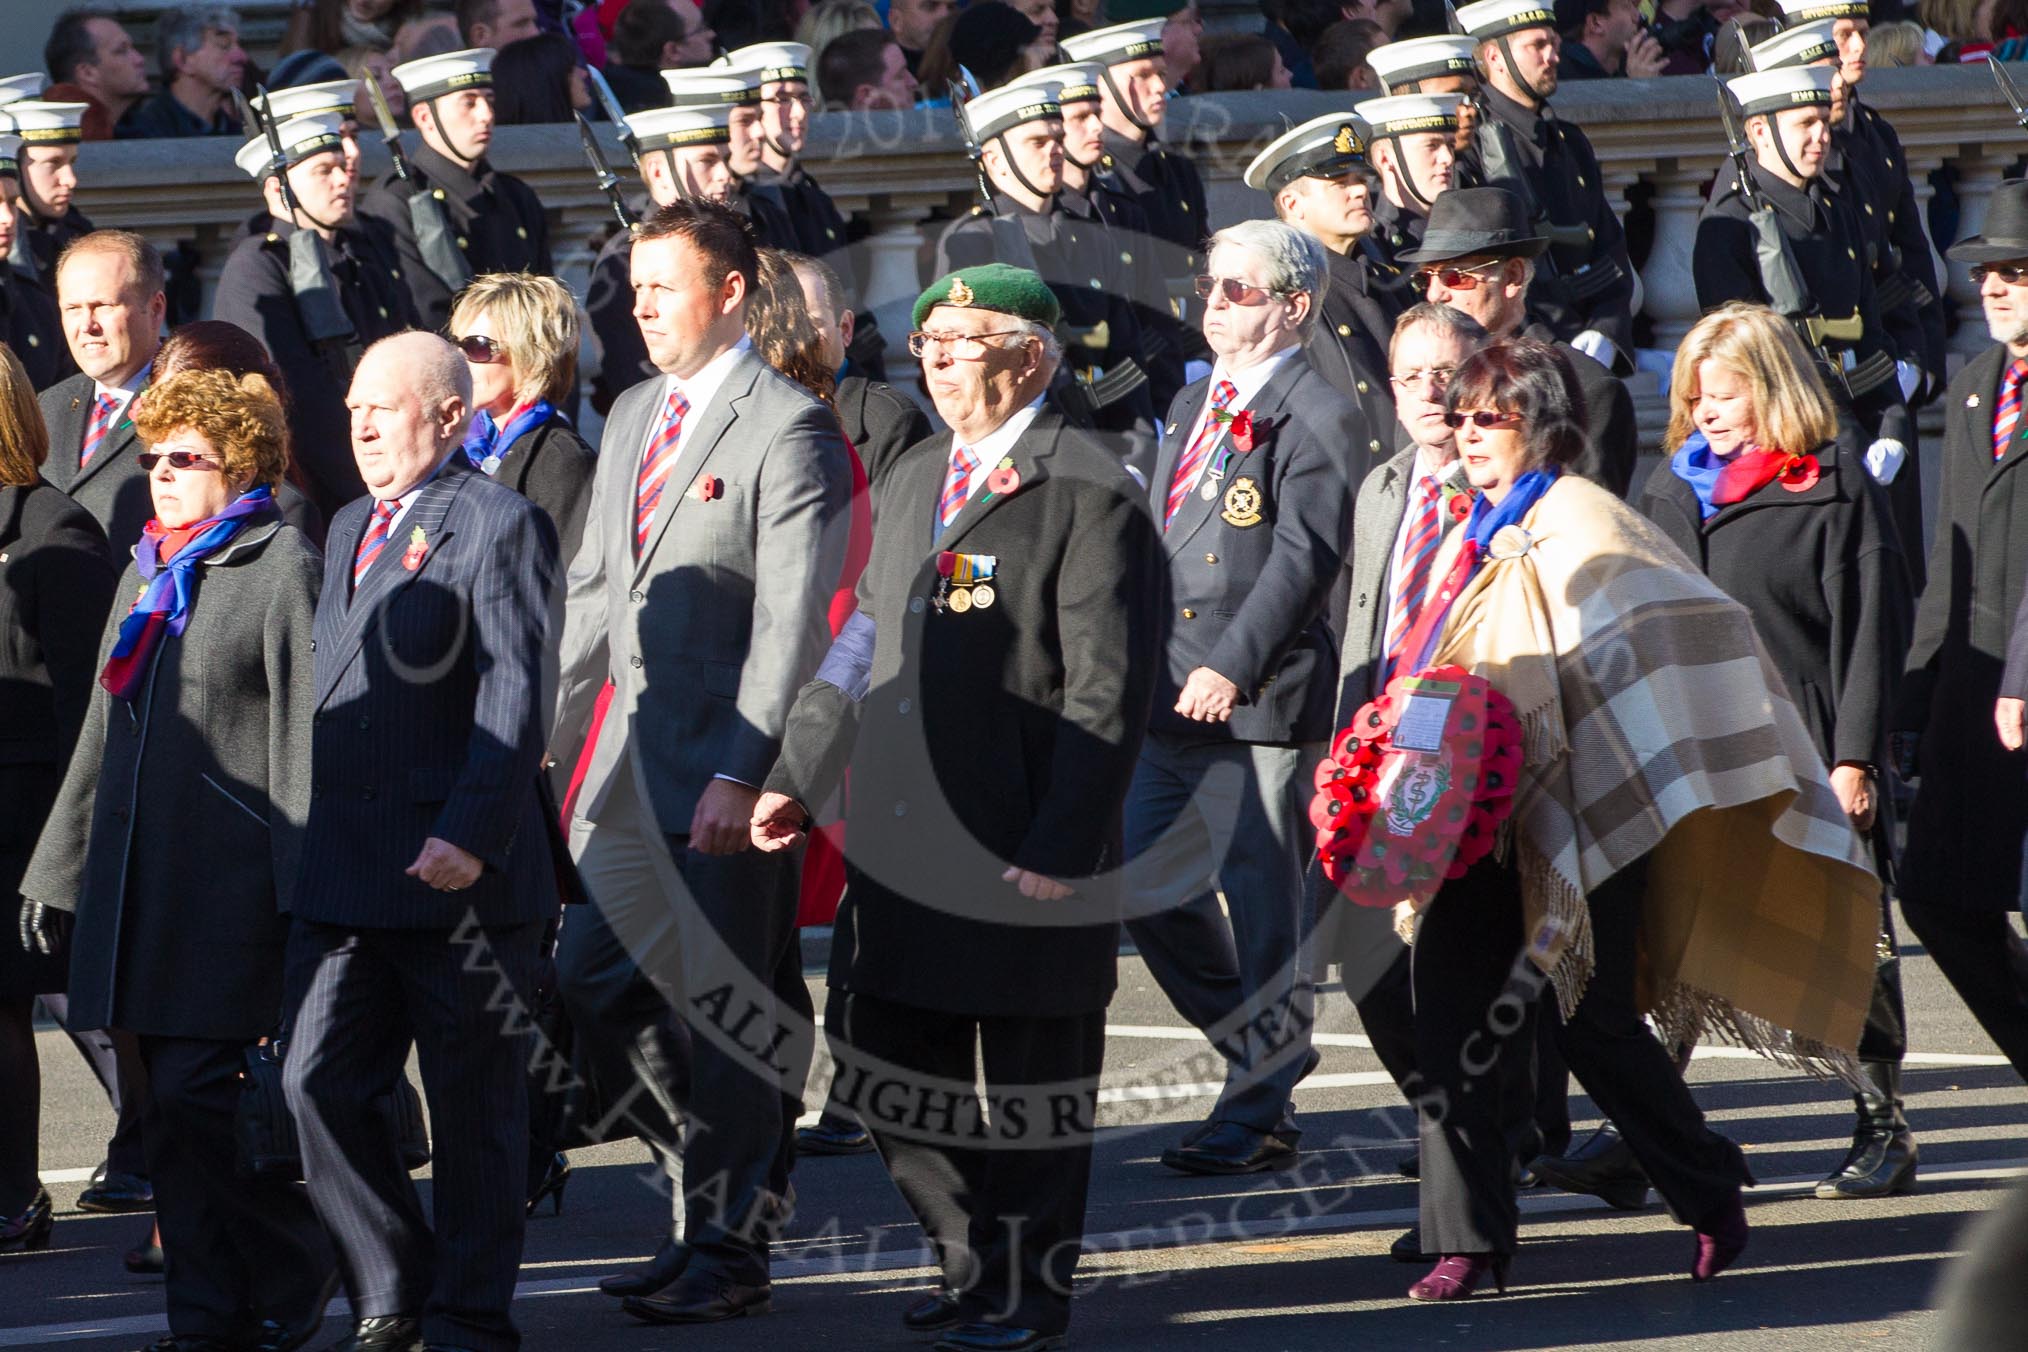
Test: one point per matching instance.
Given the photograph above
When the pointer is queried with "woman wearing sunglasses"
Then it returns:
(1758, 492)
(1662, 763)
(175, 836)
(519, 336)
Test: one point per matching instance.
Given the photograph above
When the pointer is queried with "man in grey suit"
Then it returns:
(1251, 492)
(713, 546)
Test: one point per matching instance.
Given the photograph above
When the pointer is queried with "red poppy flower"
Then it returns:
(1242, 432)
(1003, 480)
(1459, 505)
(1800, 474)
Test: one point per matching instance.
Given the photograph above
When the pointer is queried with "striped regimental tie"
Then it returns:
(375, 538)
(1199, 450)
(2007, 418)
(957, 486)
(1418, 553)
(656, 462)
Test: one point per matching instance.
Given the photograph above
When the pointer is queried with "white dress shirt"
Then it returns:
(700, 390)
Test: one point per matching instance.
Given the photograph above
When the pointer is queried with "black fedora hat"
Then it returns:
(1468, 221)
(2005, 235)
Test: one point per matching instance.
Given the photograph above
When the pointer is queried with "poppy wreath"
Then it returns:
(1393, 824)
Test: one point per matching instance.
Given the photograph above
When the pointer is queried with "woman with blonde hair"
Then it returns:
(175, 838)
(1762, 494)
(519, 334)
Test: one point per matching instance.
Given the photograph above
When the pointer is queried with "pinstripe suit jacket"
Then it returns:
(431, 686)
(710, 631)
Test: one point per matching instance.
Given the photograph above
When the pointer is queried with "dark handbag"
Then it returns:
(265, 1130)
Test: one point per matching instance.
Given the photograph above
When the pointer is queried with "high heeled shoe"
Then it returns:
(1457, 1276)
(30, 1229)
(1718, 1247)
(553, 1184)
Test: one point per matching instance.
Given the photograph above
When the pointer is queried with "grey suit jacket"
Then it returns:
(1376, 520)
(709, 633)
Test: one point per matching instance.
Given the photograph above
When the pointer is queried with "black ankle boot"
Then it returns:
(1882, 1159)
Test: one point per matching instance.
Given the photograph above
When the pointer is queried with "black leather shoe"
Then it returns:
(700, 1297)
(1603, 1167)
(1407, 1247)
(383, 1333)
(286, 1335)
(117, 1193)
(30, 1228)
(652, 1276)
(932, 1313)
(1229, 1148)
(998, 1338)
(1883, 1156)
(833, 1136)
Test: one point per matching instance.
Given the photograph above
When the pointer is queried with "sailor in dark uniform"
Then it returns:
(340, 98)
(1447, 63)
(1019, 134)
(1410, 142)
(1090, 192)
(483, 220)
(739, 86)
(1787, 113)
(680, 154)
(29, 324)
(1584, 284)
(316, 290)
(1316, 176)
(1134, 85)
(45, 220)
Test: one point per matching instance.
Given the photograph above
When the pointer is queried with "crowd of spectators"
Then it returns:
(873, 54)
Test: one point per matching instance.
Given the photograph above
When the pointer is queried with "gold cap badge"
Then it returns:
(961, 294)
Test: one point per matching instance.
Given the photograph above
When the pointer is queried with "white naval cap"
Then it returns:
(1804, 45)
(10, 156)
(18, 87)
(1323, 147)
(1116, 45)
(300, 137)
(775, 61)
(674, 128)
(1770, 91)
(1406, 114)
(1491, 19)
(709, 86)
(1809, 11)
(434, 76)
(332, 96)
(997, 110)
(1071, 82)
(1403, 63)
(44, 124)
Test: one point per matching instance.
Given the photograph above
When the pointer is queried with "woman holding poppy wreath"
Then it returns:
(1758, 492)
(1674, 847)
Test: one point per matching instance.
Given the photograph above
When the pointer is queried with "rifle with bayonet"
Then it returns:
(426, 213)
(318, 303)
(2009, 91)
(609, 182)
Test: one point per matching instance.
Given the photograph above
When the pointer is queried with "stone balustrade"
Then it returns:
(1660, 142)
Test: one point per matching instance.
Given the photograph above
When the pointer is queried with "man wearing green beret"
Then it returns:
(989, 697)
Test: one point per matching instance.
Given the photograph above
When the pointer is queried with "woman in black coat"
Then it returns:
(56, 583)
(519, 336)
(1763, 497)
(175, 841)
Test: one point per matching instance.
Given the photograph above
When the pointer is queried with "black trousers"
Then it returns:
(359, 998)
(239, 1251)
(1974, 949)
(116, 1064)
(1632, 1078)
(999, 1187)
(20, 1104)
(1476, 1003)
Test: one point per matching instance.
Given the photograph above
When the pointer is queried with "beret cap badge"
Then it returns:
(960, 293)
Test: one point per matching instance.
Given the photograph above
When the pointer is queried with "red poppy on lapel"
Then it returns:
(1005, 479)
(708, 488)
(1800, 473)
(418, 549)
(1244, 435)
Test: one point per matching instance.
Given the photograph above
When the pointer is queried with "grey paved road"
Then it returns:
(1271, 1264)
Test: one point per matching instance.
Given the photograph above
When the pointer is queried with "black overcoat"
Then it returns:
(1348, 346)
(496, 220)
(178, 830)
(551, 466)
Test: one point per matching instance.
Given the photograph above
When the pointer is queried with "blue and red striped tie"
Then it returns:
(2007, 418)
(375, 538)
(957, 486)
(656, 462)
(1199, 450)
(1418, 553)
(97, 428)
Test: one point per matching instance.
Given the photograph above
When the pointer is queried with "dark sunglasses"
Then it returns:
(1454, 279)
(2013, 274)
(1236, 291)
(176, 459)
(480, 349)
(1481, 419)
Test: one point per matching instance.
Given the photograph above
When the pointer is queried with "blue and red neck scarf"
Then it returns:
(1487, 520)
(166, 559)
(487, 440)
(1721, 480)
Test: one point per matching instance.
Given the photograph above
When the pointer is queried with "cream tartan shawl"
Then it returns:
(1655, 724)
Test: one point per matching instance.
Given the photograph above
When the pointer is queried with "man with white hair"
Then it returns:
(1252, 494)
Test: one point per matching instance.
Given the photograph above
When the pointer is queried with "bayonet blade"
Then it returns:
(2008, 90)
(278, 160)
(390, 131)
(609, 101)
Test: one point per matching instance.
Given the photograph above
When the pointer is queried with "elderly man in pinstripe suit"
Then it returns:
(427, 874)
